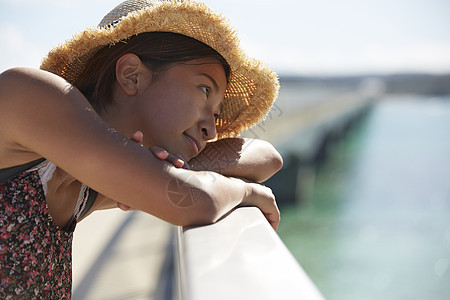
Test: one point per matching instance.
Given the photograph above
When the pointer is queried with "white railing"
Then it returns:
(239, 257)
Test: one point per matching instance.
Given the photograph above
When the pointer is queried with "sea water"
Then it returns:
(376, 224)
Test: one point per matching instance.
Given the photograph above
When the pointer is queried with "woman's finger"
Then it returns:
(159, 152)
(124, 207)
(164, 155)
(138, 137)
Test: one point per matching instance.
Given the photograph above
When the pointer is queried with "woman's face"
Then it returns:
(177, 110)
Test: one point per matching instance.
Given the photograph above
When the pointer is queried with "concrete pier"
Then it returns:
(304, 129)
(122, 255)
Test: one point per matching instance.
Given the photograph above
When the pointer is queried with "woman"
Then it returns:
(160, 76)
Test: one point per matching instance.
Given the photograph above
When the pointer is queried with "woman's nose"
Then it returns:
(208, 128)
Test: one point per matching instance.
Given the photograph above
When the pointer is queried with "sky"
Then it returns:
(301, 37)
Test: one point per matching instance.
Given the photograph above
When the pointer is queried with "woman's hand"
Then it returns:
(262, 197)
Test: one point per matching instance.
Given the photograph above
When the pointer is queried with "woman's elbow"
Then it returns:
(273, 162)
(276, 161)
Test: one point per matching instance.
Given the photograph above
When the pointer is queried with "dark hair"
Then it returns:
(157, 50)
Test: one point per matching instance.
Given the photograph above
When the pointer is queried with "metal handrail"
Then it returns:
(239, 257)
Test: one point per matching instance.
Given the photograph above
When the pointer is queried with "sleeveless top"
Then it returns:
(35, 254)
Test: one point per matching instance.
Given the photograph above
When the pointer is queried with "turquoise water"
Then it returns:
(376, 224)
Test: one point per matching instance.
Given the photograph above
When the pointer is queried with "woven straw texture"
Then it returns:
(252, 88)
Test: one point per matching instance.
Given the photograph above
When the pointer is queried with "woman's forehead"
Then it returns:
(209, 67)
(209, 62)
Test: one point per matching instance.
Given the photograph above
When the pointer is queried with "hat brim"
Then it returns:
(252, 87)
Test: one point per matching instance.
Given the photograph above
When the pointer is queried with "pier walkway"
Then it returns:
(122, 255)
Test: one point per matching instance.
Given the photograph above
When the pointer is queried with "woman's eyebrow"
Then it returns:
(214, 82)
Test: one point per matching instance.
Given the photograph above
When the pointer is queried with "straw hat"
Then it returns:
(252, 87)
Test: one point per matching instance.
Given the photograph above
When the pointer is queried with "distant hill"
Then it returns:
(425, 84)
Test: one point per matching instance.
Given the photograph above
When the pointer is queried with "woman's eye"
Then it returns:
(205, 90)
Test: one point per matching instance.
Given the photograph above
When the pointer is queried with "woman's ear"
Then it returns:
(129, 74)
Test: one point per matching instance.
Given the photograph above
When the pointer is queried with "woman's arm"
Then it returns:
(255, 160)
(44, 116)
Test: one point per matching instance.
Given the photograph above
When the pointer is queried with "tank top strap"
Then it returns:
(11, 172)
(84, 203)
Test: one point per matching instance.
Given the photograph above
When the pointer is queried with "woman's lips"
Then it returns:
(194, 143)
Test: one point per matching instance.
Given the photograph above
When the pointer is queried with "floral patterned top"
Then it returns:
(35, 254)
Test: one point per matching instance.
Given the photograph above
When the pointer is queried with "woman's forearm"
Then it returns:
(203, 197)
(252, 159)
(43, 115)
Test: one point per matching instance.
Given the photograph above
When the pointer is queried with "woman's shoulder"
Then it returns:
(16, 81)
(19, 75)
(21, 86)
(10, 153)
(19, 80)
(22, 102)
